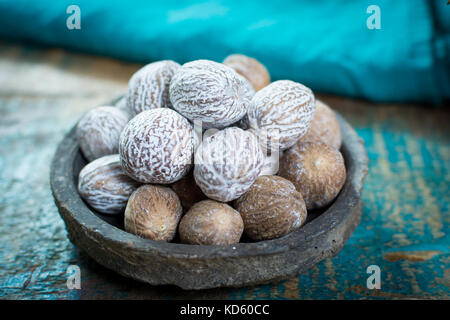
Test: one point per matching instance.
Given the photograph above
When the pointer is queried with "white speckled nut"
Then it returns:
(157, 146)
(283, 109)
(99, 130)
(227, 163)
(104, 185)
(148, 88)
(210, 92)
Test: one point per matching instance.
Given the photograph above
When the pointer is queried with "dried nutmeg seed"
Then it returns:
(104, 186)
(324, 126)
(148, 88)
(249, 68)
(157, 146)
(280, 113)
(98, 131)
(227, 163)
(210, 92)
(153, 212)
(188, 191)
(316, 169)
(211, 223)
(271, 208)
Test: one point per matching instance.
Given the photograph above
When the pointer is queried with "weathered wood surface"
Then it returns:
(404, 228)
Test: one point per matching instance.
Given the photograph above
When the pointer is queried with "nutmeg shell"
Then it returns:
(316, 169)
(153, 212)
(211, 223)
(271, 208)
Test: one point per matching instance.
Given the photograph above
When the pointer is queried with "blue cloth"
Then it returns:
(325, 45)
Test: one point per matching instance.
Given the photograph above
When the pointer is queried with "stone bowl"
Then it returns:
(103, 237)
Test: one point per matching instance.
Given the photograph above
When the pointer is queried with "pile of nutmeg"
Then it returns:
(211, 151)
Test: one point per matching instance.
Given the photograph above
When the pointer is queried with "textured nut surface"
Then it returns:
(188, 191)
(324, 126)
(157, 146)
(316, 169)
(211, 223)
(153, 212)
(281, 111)
(98, 131)
(227, 163)
(250, 68)
(104, 185)
(210, 92)
(148, 88)
(271, 208)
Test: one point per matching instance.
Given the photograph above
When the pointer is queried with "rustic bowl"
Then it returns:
(199, 267)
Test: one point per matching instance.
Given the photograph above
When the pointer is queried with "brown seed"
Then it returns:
(280, 113)
(271, 208)
(227, 163)
(104, 185)
(249, 68)
(324, 126)
(148, 88)
(210, 92)
(211, 223)
(153, 212)
(98, 131)
(316, 169)
(157, 146)
(188, 191)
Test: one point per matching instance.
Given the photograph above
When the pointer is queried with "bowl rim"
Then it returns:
(66, 195)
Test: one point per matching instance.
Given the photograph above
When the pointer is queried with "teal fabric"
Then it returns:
(325, 45)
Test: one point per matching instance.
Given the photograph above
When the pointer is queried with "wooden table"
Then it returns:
(404, 228)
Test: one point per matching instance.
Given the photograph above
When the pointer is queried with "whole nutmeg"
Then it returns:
(153, 212)
(188, 191)
(157, 146)
(324, 126)
(98, 131)
(271, 208)
(148, 88)
(280, 113)
(227, 163)
(251, 69)
(104, 186)
(316, 169)
(210, 92)
(211, 223)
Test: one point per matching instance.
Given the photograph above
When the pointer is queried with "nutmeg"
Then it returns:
(104, 186)
(227, 163)
(153, 212)
(98, 131)
(211, 223)
(316, 169)
(210, 92)
(148, 88)
(250, 68)
(281, 113)
(157, 146)
(324, 126)
(271, 208)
